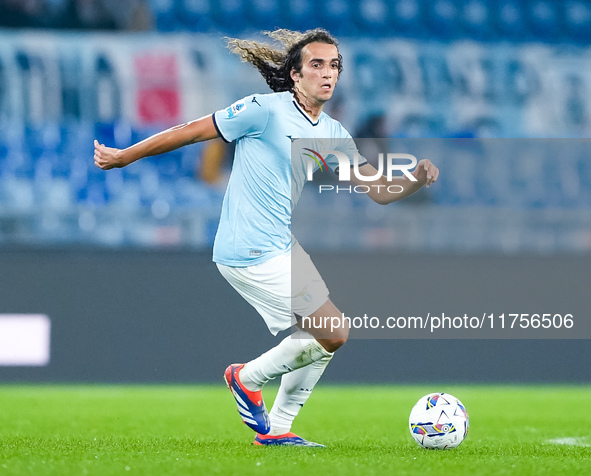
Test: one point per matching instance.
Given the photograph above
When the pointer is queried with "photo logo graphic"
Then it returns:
(313, 157)
(345, 166)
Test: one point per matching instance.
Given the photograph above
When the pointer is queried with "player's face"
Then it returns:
(319, 73)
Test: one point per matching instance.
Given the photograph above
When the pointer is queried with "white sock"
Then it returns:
(292, 353)
(295, 389)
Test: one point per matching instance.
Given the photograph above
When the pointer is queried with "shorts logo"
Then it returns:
(255, 253)
(305, 295)
(235, 109)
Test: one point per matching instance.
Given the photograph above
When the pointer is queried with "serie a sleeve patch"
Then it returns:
(235, 109)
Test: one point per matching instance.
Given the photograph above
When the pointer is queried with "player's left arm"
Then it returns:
(384, 191)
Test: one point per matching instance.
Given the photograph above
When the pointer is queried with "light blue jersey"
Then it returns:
(255, 222)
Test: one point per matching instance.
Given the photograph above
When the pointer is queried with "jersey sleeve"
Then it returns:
(246, 117)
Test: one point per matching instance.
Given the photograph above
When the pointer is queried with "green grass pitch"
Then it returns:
(195, 430)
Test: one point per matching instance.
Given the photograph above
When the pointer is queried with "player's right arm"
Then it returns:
(425, 173)
(178, 136)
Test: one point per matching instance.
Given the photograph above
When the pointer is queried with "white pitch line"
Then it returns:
(570, 441)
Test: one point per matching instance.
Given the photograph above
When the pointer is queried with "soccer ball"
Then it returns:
(438, 421)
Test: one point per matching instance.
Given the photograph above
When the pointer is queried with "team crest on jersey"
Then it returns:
(235, 109)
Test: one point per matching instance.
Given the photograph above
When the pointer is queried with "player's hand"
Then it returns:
(106, 157)
(426, 172)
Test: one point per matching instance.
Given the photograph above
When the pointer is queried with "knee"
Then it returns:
(332, 345)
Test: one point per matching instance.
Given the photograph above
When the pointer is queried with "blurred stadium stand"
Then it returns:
(503, 20)
(486, 20)
(448, 68)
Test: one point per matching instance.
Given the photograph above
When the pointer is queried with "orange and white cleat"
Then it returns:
(251, 406)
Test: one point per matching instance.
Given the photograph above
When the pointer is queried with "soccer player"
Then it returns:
(253, 248)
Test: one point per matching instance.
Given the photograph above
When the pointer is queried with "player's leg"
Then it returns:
(267, 287)
(247, 381)
(276, 293)
(327, 325)
(321, 325)
(296, 387)
(302, 348)
(293, 393)
(300, 360)
(292, 353)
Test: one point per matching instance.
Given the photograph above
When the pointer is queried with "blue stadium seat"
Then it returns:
(90, 189)
(21, 164)
(170, 165)
(230, 16)
(11, 135)
(79, 171)
(337, 16)
(406, 18)
(509, 21)
(105, 133)
(300, 14)
(543, 20)
(475, 18)
(60, 163)
(77, 140)
(41, 138)
(128, 197)
(374, 17)
(194, 15)
(54, 194)
(93, 194)
(577, 20)
(190, 193)
(444, 19)
(95, 175)
(17, 193)
(3, 154)
(264, 14)
(189, 157)
(114, 134)
(417, 125)
(164, 12)
(149, 181)
(18, 161)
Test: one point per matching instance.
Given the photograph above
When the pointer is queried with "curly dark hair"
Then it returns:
(274, 64)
